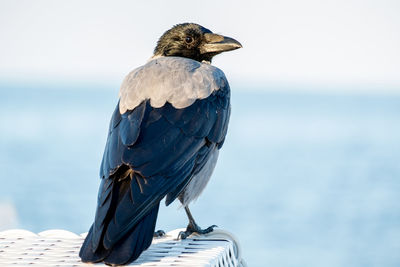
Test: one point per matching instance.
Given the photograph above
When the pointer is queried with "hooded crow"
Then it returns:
(163, 142)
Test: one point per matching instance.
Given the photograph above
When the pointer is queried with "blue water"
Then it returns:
(304, 179)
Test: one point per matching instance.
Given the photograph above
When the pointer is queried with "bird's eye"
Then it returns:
(188, 39)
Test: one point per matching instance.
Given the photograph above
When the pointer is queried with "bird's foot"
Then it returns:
(194, 228)
(159, 233)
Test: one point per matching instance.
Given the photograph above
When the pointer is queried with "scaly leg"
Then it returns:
(193, 227)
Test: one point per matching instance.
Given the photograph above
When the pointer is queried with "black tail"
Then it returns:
(128, 248)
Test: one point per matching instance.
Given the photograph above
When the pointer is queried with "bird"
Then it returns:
(164, 137)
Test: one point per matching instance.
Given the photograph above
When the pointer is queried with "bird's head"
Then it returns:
(193, 41)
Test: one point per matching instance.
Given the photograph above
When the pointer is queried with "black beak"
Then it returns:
(215, 43)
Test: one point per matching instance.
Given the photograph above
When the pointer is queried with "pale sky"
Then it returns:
(307, 43)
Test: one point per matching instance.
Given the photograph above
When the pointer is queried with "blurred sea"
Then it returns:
(304, 178)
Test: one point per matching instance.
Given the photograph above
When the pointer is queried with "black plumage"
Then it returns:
(152, 153)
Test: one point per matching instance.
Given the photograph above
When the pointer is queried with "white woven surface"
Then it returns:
(61, 248)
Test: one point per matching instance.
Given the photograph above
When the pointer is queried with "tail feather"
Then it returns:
(128, 248)
(134, 243)
(90, 254)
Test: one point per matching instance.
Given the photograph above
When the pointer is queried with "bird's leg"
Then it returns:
(193, 227)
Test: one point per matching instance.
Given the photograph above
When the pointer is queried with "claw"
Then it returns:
(182, 235)
(195, 229)
(159, 233)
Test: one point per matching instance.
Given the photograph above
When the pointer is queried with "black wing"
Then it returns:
(152, 152)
